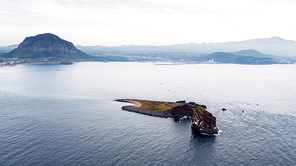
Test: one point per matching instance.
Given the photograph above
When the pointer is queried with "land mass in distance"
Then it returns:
(49, 48)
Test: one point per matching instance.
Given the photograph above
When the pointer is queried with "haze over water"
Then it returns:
(65, 114)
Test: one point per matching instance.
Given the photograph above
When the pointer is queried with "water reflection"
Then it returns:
(196, 135)
(203, 149)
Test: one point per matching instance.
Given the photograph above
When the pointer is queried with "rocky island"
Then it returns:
(202, 120)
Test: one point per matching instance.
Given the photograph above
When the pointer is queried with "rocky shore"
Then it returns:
(148, 112)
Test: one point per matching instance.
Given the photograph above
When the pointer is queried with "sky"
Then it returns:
(147, 22)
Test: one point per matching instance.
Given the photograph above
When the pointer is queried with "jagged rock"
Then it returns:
(180, 111)
(203, 121)
(191, 102)
(203, 106)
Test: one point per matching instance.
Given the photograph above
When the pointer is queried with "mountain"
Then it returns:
(46, 45)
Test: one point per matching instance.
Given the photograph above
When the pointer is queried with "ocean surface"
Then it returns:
(66, 114)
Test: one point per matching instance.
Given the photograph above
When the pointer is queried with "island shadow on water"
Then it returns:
(203, 121)
(202, 137)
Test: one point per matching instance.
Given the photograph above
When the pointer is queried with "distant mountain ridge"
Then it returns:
(274, 46)
(46, 45)
(6, 49)
(244, 52)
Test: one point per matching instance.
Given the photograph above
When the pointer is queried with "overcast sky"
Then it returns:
(147, 22)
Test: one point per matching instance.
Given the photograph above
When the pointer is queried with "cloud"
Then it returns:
(58, 12)
(116, 22)
(279, 1)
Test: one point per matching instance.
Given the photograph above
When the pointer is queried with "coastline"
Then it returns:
(164, 114)
(36, 63)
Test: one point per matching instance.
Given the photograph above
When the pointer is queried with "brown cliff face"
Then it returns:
(203, 121)
(47, 45)
(181, 110)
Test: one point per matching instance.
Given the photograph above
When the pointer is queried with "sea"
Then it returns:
(66, 114)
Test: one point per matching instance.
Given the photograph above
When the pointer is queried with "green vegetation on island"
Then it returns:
(159, 106)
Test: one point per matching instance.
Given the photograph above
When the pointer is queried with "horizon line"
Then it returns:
(273, 37)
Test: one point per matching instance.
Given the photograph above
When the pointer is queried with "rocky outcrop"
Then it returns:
(164, 114)
(180, 111)
(203, 121)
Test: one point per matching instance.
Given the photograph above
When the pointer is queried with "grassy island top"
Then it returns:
(159, 106)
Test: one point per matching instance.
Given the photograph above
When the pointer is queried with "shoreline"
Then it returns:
(164, 114)
(36, 63)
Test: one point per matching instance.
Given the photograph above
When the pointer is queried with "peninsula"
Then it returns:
(202, 120)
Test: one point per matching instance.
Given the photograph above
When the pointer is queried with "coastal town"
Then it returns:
(13, 61)
(17, 61)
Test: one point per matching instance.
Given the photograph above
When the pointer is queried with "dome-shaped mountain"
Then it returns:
(47, 45)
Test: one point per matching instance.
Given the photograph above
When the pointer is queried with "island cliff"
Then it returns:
(203, 121)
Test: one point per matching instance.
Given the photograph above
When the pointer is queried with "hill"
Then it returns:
(251, 52)
(223, 57)
(46, 45)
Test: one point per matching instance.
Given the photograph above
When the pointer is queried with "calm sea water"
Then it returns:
(65, 114)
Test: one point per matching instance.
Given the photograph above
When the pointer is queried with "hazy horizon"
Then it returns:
(151, 44)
